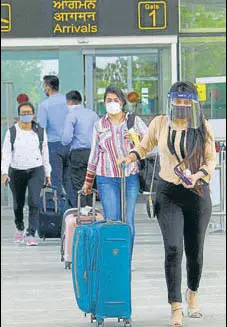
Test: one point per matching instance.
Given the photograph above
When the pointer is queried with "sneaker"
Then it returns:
(19, 237)
(31, 240)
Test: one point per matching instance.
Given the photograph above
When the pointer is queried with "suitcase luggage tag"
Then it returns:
(89, 219)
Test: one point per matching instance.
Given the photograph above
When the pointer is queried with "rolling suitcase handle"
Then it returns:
(123, 194)
(94, 192)
(50, 187)
(45, 190)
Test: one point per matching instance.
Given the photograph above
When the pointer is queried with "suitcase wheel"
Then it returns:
(120, 319)
(67, 265)
(100, 324)
(127, 323)
(93, 319)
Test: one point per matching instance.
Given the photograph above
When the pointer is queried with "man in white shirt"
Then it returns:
(25, 163)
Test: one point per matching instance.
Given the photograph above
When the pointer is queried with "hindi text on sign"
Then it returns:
(75, 16)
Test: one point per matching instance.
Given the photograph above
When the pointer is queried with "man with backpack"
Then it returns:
(25, 165)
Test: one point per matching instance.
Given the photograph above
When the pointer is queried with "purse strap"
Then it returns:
(152, 180)
(156, 158)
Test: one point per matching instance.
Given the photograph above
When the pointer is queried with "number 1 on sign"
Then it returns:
(153, 15)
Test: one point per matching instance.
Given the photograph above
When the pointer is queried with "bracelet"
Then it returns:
(203, 171)
(89, 179)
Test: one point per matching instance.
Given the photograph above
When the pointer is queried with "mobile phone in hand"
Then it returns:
(181, 175)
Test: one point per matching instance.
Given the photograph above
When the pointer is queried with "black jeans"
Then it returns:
(79, 161)
(60, 164)
(183, 217)
(20, 181)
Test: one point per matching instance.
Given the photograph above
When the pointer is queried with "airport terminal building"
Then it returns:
(141, 46)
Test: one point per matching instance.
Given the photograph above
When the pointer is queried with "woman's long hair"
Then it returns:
(195, 146)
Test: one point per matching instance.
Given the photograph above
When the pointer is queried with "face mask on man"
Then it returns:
(113, 108)
(26, 118)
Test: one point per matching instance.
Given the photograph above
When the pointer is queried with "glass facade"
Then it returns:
(22, 72)
(147, 74)
(202, 16)
(25, 69)
(196, 66)
(149, 70)
(203, 58)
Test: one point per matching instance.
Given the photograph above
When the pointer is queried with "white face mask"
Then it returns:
(113, 108)
(71, 107)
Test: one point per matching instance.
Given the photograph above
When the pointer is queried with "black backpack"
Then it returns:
(146, 166)
(35, 127)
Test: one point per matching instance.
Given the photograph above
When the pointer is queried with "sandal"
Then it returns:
(176, 322)
(193, 312)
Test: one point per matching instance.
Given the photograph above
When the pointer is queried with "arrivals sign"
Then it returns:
(66, 18)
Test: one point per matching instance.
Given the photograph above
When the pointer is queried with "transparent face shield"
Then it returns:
(183, 108)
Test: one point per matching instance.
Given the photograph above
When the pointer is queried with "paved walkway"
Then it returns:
(37, 291)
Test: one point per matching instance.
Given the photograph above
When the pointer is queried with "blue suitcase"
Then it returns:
(101, 269)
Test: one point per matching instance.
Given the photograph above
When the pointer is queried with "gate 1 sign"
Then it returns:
(57, 18)
(152, 15)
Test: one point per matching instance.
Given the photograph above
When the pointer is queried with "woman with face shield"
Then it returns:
(183, 205)
(111, 141)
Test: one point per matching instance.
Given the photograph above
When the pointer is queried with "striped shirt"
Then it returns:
(109, 144)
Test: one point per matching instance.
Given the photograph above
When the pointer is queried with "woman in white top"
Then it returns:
(25, 164)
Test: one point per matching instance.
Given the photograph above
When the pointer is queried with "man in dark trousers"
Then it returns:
(78, 130)
(51, 116)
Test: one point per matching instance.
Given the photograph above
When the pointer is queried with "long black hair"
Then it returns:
(196, 138)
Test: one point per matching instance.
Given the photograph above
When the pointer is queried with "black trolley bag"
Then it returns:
(50, 216)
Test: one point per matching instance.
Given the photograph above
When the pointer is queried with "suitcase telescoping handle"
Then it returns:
(55, 198)
(94, 192)
(123, 193)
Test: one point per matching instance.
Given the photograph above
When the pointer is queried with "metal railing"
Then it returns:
(221, 166)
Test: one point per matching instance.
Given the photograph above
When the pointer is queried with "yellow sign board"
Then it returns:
(6, 19)
(75, 16)
(202, 92)
(152, 15)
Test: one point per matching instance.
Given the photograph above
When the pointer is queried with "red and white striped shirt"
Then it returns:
(109, 144)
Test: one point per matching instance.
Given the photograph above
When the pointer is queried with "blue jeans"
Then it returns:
(61, 170)
(109, 191)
